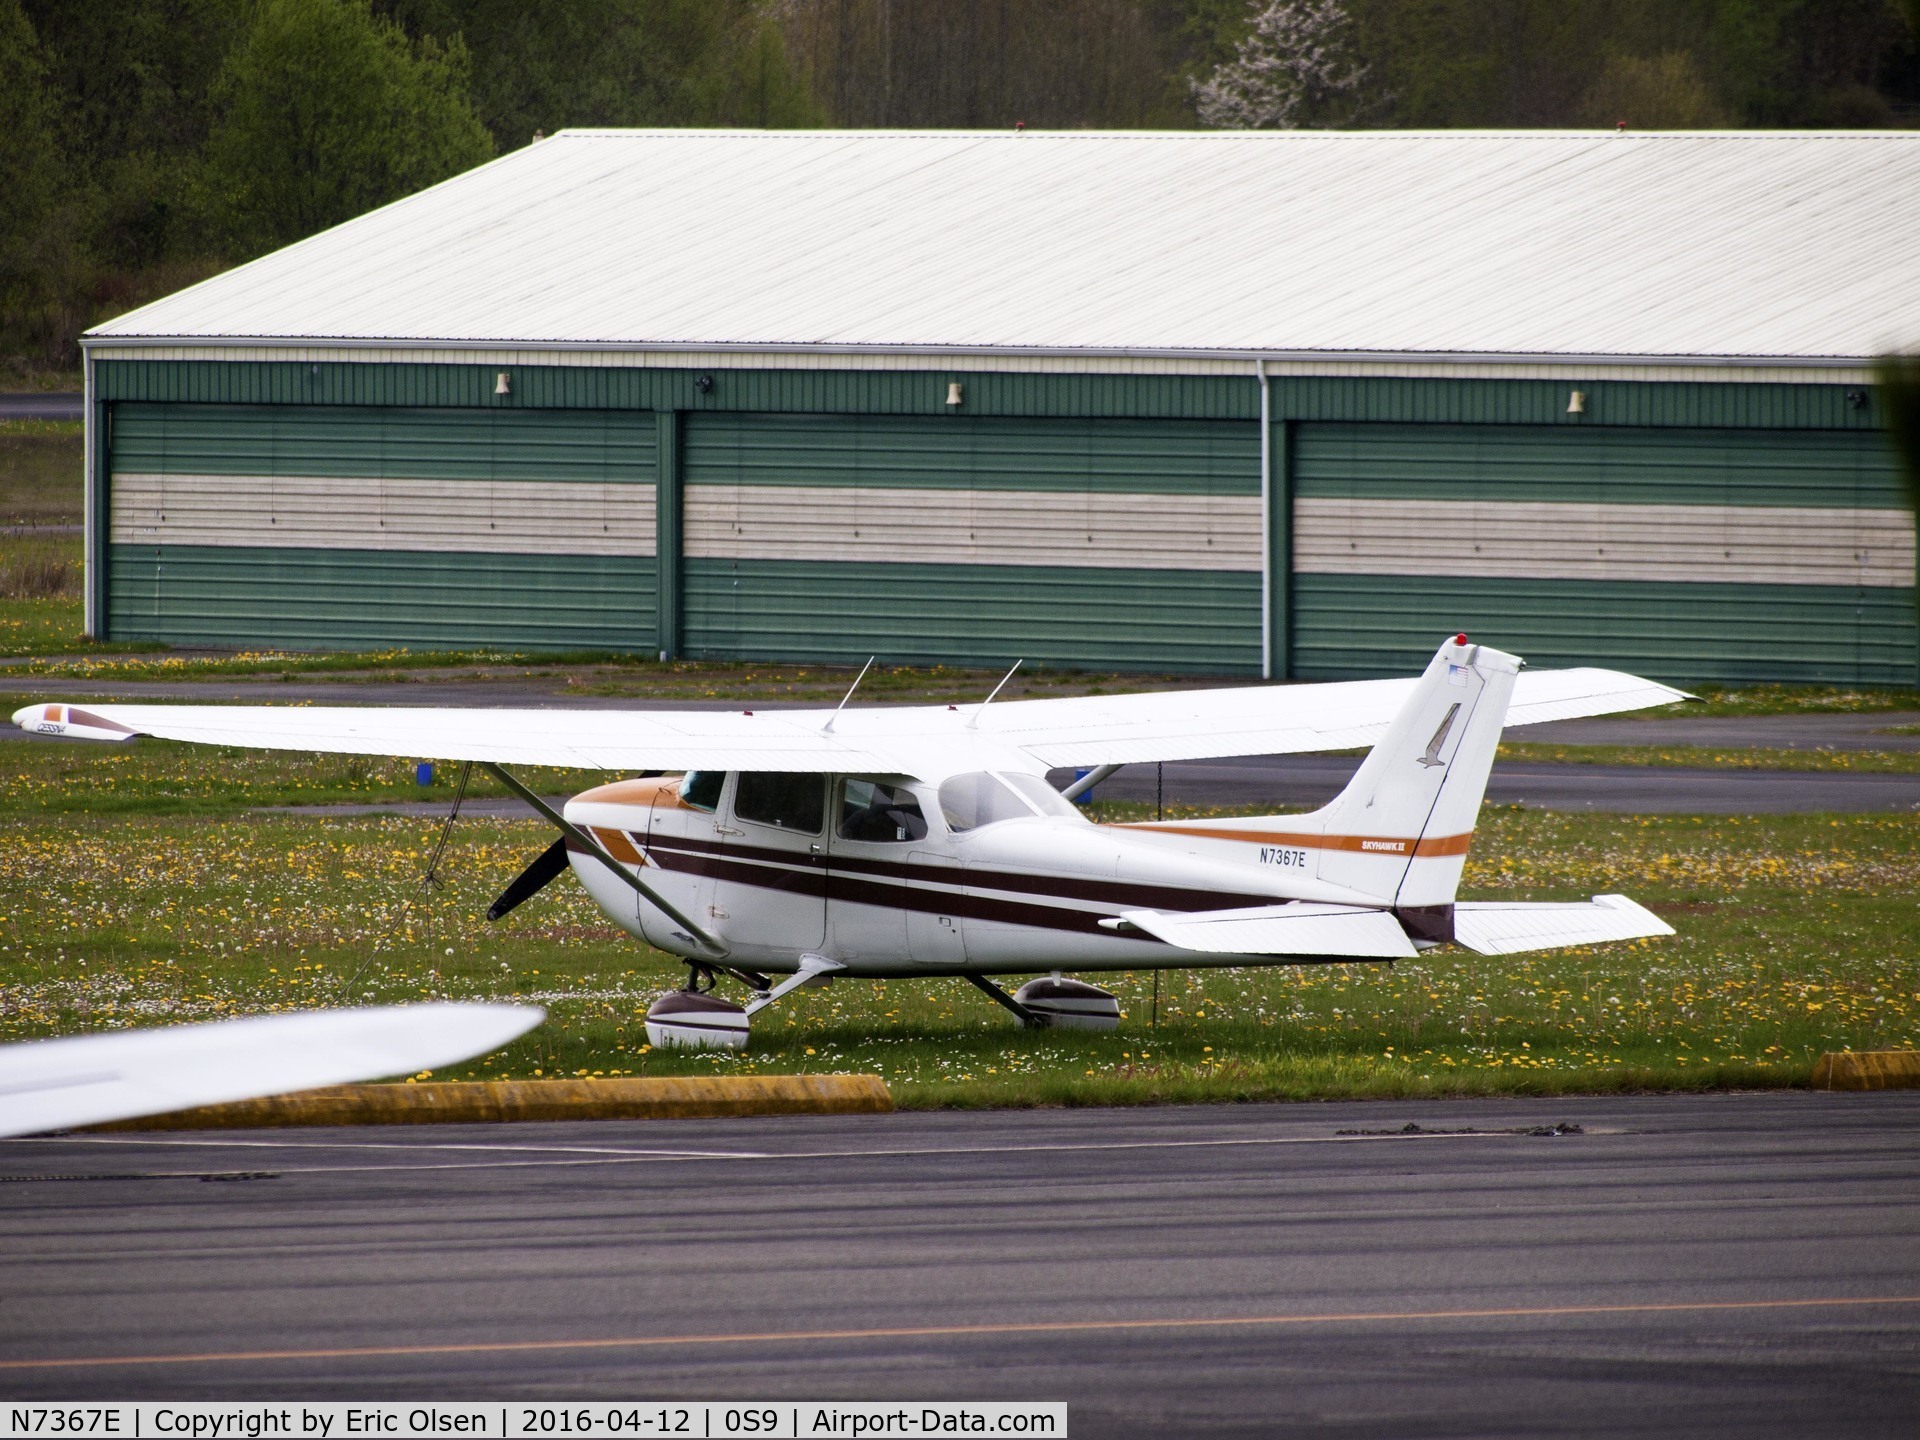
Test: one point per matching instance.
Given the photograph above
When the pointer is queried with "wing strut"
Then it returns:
(995, 993)
(1087, 781)
(592, 847)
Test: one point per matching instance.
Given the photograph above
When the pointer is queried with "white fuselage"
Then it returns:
(920, 897)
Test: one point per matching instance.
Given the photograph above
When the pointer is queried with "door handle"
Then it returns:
(727, 830)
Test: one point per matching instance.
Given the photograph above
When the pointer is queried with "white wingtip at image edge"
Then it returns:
(122, 1074)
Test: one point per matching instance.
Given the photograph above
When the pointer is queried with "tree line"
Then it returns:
(152, 143)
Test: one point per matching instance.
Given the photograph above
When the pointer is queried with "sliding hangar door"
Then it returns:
(1091, 542)
(1132, 544)
(1688, 554)
(323, 527)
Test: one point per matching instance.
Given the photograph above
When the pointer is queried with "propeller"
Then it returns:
(545, 868)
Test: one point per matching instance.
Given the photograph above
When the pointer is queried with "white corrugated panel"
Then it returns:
(337, 512)
(974, 527)
(1535, 244)
(1558, 540)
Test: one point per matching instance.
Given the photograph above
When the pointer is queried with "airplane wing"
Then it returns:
(927, 741)
(91, 1079)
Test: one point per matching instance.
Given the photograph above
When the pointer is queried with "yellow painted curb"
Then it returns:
(692, 1097)
(1868, 1070)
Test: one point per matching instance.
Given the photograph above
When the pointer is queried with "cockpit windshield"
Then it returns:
(1043, 797)
(981, 798)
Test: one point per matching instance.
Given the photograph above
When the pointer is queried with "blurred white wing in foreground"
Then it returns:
(91, 1079)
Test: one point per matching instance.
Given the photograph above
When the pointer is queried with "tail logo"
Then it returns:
(1432, 757)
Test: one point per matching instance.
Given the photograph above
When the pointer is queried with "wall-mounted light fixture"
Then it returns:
(1577, 403)
(703, 383)
(1857, 399)
(503, 383)
(956, 393)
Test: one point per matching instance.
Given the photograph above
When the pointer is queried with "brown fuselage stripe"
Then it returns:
(847, 889)
(1053, 887)
(1363, 844)
(1016, 1327)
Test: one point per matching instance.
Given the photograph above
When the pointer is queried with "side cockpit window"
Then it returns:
(787, 802)
(701, 789)
(876, 810)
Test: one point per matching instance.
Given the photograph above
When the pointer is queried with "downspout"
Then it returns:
(1266, 522)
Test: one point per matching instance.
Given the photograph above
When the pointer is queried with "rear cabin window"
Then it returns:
(875, 810)
(787, 802)
(701, 789)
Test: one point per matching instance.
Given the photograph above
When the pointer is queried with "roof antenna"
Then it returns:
(827, 729)
(974, 723)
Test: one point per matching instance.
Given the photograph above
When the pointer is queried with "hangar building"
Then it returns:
(1293, 404)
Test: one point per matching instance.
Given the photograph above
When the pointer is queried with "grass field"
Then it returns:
(146, 884)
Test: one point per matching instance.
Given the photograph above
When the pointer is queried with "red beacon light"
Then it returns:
(1460, 639)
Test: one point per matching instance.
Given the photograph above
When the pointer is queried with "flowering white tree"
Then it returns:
(1293, 71)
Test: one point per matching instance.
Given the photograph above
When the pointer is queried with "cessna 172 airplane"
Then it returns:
(925, 841)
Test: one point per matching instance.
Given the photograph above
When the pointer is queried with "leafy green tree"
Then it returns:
(1658, 92)
(617, 63)
(34, 224)
(327, 111)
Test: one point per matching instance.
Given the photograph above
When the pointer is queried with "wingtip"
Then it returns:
(52, 718)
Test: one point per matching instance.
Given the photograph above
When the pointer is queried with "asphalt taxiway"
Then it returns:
(1733, 1265)
(43, 405)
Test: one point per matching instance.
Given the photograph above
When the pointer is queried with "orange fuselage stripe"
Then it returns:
(616, 844)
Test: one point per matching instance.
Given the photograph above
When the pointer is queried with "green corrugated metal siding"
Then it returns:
(1355, 625)
(1233, 397)
(965, 452)
(357, 599)
(406, 443)
(1653, 467)
(586, 387)
(974, 615)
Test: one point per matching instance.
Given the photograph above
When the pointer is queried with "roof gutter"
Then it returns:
(1037, 352)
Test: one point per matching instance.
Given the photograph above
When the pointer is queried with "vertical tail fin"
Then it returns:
(1399, 831)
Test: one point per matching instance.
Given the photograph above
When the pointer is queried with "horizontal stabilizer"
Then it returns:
(1295, 929)
(1495, 927)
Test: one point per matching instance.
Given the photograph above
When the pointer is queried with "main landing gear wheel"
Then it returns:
(1069, 1004)
(1055, 1004)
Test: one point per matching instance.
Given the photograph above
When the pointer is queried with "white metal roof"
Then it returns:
(1657, 246)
